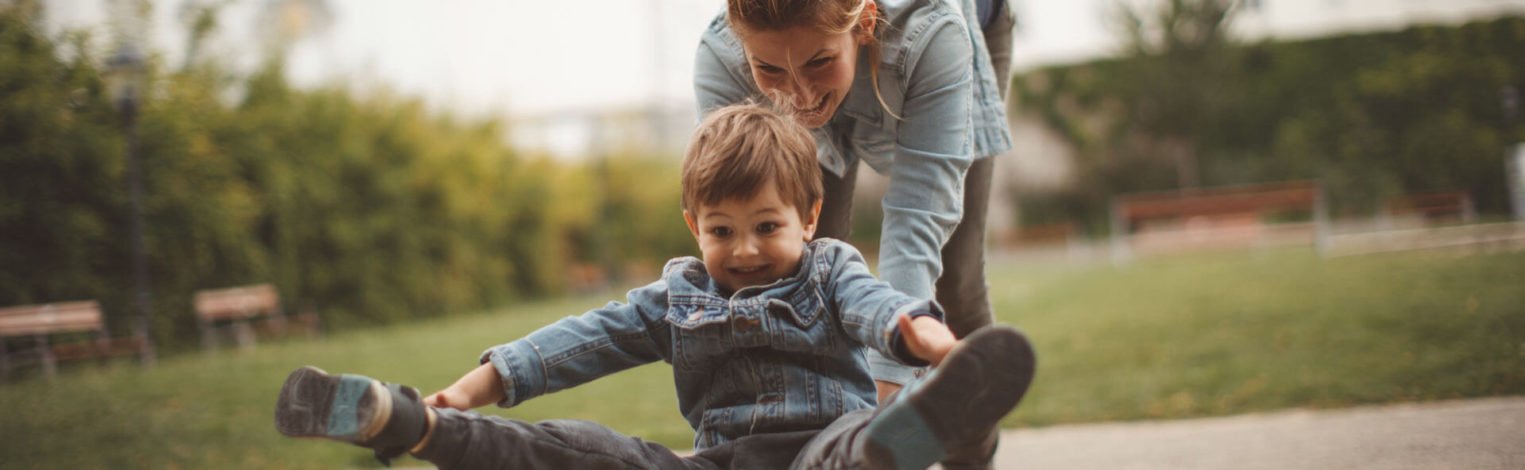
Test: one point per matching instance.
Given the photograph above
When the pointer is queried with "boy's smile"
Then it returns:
(751, 242)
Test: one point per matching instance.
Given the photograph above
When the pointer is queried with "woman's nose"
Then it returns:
(800, 93)
(795, 89)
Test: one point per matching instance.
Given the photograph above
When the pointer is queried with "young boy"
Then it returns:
(766, 336)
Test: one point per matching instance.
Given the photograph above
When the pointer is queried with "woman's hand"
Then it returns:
(926, 338)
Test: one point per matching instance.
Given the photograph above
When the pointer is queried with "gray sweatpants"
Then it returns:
(471, 440)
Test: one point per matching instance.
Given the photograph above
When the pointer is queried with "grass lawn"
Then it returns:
(1162, 338)
(1250, 331)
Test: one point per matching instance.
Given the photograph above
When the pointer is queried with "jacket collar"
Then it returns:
(690, 287)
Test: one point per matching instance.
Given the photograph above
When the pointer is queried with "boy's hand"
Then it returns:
(482, 386)
(448, 398)
(926, 338)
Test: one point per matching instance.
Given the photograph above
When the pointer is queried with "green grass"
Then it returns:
(1233, 333)
(1162, 338)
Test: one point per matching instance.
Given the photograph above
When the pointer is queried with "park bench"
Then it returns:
(1227, 216)
(1060, 233)
(80, 324)
(236, 309)
(1436, 207)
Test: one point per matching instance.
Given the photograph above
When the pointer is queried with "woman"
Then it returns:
(906, 86)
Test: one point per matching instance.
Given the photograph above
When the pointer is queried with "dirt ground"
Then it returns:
(1466, 434)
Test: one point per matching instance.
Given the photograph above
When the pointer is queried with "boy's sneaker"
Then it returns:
(957, 406)
(387, 418)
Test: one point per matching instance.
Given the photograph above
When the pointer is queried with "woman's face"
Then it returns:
(812, 70)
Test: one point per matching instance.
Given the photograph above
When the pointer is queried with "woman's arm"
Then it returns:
(933, 150)
(924, 200)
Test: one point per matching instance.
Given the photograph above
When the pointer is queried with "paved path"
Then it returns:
(1469, 434)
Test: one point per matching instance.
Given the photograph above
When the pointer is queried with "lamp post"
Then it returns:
(126, 77)
(1514, 156)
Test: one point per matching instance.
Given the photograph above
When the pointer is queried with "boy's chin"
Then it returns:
(736, 284)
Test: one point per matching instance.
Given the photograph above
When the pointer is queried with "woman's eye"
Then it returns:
(766, 227)
(818, 63)
(769, 69)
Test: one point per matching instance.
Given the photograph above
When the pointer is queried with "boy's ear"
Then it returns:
(811, 220)
(693, 227)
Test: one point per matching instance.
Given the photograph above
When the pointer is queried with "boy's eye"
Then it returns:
(766, 227)
(721, 231)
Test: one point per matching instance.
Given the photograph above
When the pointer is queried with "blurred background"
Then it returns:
(430, 178)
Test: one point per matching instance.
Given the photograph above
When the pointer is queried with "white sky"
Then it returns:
(537, 56)
(532, 57)
(518, 56)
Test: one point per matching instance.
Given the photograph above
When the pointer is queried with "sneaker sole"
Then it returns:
(343, 407)
(981, 380)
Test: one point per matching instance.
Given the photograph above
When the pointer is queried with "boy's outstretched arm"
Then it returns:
(926, 338)
(480, 387)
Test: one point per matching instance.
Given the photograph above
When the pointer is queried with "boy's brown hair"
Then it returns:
(738, 149)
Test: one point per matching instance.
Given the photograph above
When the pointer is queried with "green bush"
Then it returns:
(1371, 116)
(365, 209)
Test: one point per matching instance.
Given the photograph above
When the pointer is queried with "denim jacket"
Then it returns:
(935, 75)
(786, 356)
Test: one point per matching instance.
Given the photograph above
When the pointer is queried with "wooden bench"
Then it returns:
(1437, 207)
(236, 309)
(1060, 233)
(1225, 216)
(78, 319)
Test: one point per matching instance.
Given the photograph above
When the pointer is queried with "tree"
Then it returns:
(1176, 58)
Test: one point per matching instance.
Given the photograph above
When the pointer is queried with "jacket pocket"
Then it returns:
(801, 327)
(700, 338)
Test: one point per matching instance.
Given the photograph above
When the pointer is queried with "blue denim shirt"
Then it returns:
(786, 356)
(935, 74)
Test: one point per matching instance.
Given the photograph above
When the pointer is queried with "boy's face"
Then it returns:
(754, 241)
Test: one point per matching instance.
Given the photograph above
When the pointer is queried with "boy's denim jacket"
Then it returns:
(787, 356)
(936, 76)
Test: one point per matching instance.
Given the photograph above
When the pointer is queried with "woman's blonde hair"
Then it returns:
(828, 16)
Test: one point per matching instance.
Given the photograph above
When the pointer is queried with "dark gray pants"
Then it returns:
(998, 41)
(961, 290)
(471, 440)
